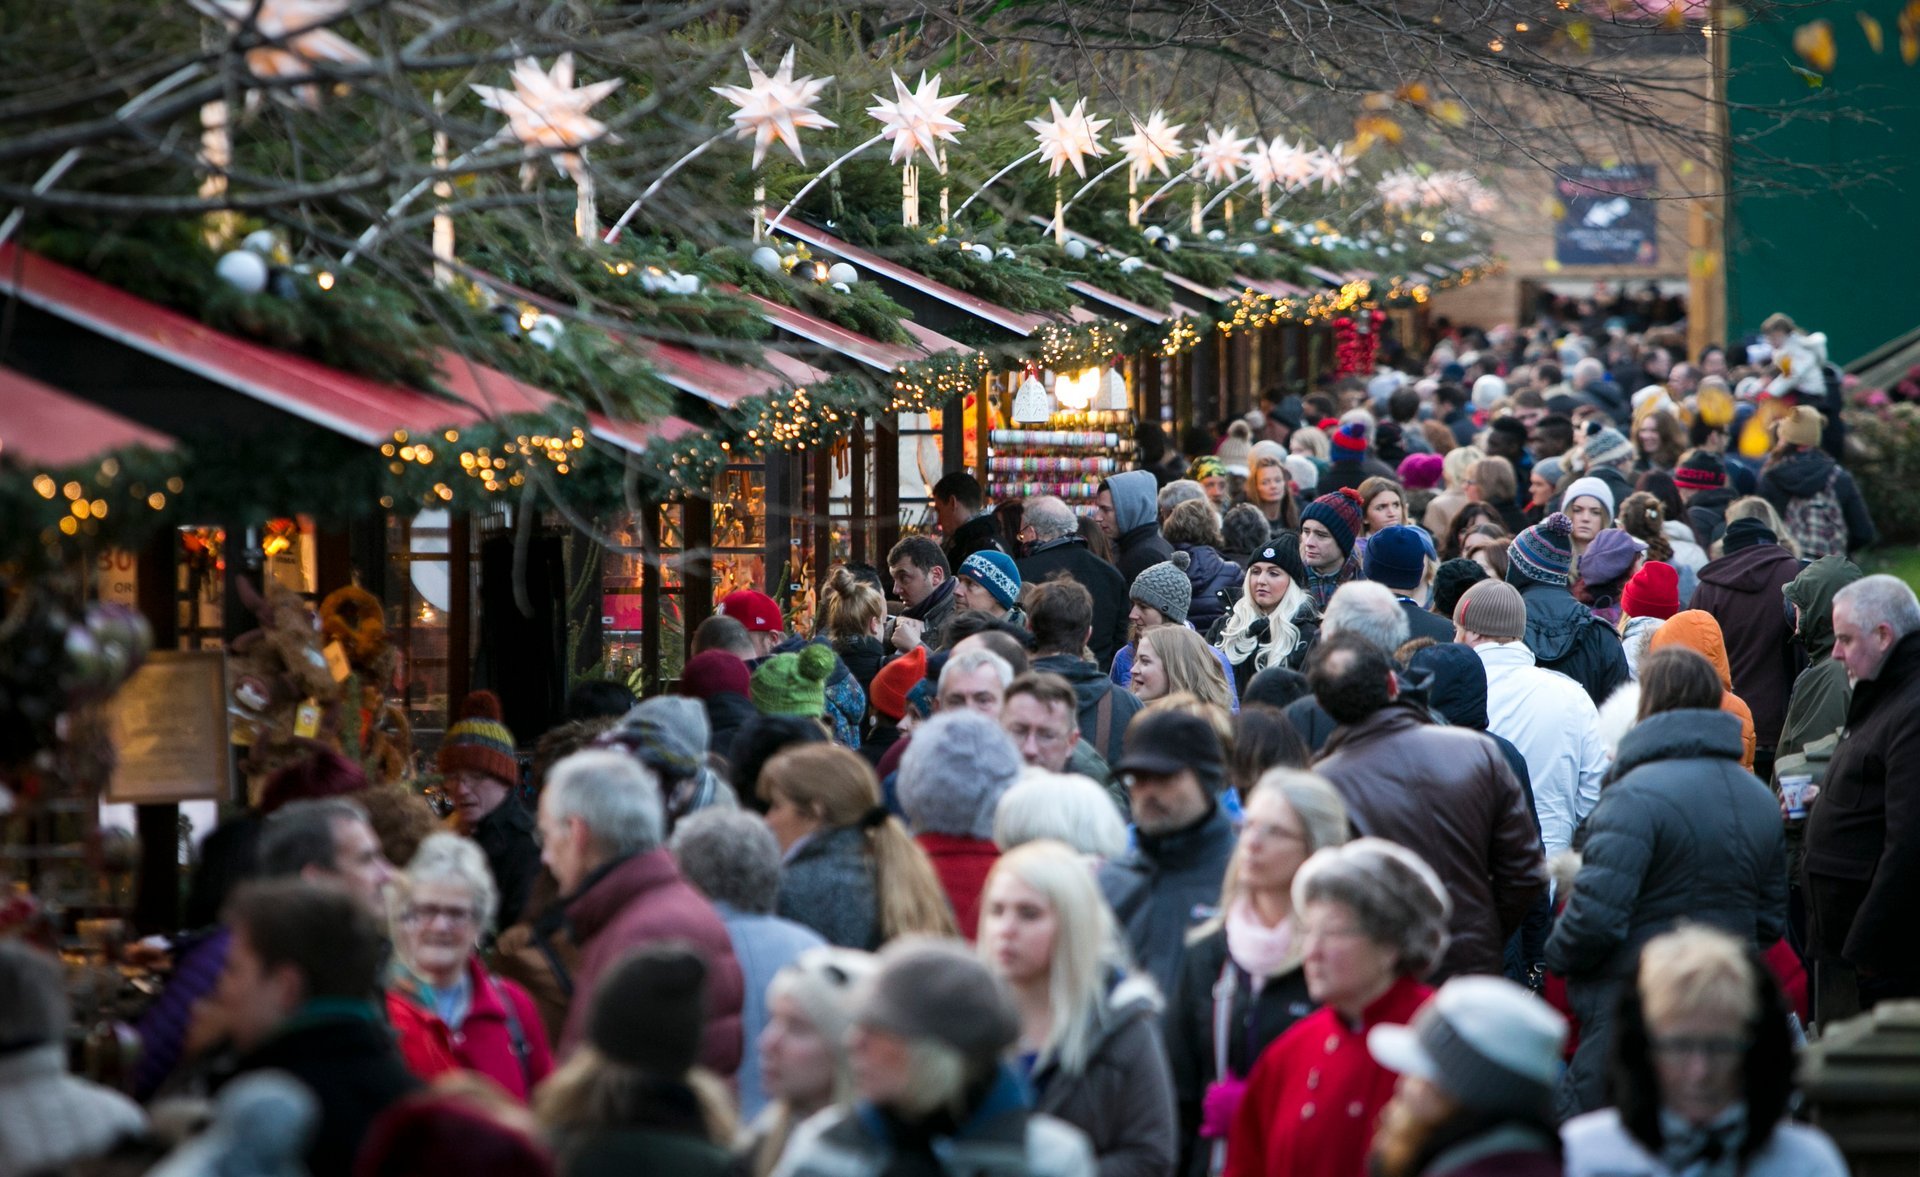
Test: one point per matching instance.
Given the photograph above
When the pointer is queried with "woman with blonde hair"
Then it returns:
(1755, 507)
(1089, 1031)
(852, 614)
(803, 1050)
(1275, 620)
(850, 871)
(1311, 441)
(1269, 485)
(1455, 470)
(1173, 658)
(1241, 985)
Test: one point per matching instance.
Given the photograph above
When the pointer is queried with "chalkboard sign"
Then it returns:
(1606, 218)
(169, 724)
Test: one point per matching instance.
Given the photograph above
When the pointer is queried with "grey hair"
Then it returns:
(615, 796)
(1880, 600)
(1314, 800)
(970, 660)
(956, 769)
(300, 835)
(33, 998)
(1367, 610)
(1180, 490)
(731, 856)
(446, 857)
(1063, 806)
(1588, 366)
(1393, 894)
(1050, 518)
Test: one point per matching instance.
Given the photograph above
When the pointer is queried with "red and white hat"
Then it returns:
(754, 610)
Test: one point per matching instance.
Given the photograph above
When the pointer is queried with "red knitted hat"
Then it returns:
(325, 773)
(1350, 439)
(711, 672)
(479, 742)
(1654, 591)
(889, 691)
(754, 610)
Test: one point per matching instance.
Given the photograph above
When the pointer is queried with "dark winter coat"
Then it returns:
(1744, 593)
(1447, 794)
(1069, 554)
(978, 534)
(1425, 623)
(1253, 1019)
(1707, 513)
(1487, 1146)
(1564, 635)
(1164, 886)
(664, 1136)
(827, 884)
(1863, 837)
(727, 713)
(342, 1051)
(1091, 686)
(1212, 577)
(1139, 544)
(1804, 474)
(505, 836)
(642, 900)
(1817, 708)
(1123, 1100)
(862, 656)
(1682, 832)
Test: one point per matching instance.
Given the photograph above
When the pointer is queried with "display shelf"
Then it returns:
(1067, 456)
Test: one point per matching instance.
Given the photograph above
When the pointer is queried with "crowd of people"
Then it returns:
(1479, 770)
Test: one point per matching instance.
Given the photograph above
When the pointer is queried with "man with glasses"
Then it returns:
(1041, 714)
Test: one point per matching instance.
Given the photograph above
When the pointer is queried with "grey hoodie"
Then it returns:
(1138, 544)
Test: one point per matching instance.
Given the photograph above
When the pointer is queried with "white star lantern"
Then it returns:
(1149, 148)
(918, 120)
(296, 35)
(1222, 157)
(774, 109)
(1069, 137)
(1332, 166)
(1400, 189)
(547, 113)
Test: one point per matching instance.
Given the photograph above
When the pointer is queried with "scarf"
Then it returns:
(1705, 1150)
(1262, 951)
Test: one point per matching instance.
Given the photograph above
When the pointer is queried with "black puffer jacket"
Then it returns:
(1681, 832)
(1565, 636)
(1212, 576)
(1804, 474)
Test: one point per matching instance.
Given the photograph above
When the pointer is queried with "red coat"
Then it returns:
(641, 901)
(484, 1043)
(962, 865)
(1314, 1096)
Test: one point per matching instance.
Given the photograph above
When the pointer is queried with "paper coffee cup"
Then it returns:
(1794, 790)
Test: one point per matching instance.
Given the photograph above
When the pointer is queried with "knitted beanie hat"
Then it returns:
(1543, 552)
(1592, 488)
(754, 610)
(650, 1011)
(1233, 452)
(1803, 427)
(1206, 466)
(1283, 553)
(1492, 609)
(1304, 473)
(1549, 469)
(939, 990)
(1396, 556)
(1349, 442)
(1609, 556)
(479, 742)
(793, 684)
(995, 572)
(1606, 446)
(1341, 513)
(1654, 591)
(1421, 471)
(1452, 581)
(1164, 586)
(888, 694)
(713, 672)
(1700, 470)
(667, 733)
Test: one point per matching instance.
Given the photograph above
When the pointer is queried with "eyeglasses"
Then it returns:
(426, 913)
(1712, 1049)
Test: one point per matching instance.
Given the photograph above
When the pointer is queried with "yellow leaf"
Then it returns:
(1909, 47)
(1414, 93)
(1733, 17)
(1876, 40)
(1450, 112)
(1813, 41)
(1379, 127)
(1675, 15)
(1581, 34)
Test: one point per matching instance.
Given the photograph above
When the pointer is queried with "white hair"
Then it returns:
(1879, 600)
(1049, 517)
(446, 857)
(615, 796)
(1590, 367)
(1370, 610)
(968, 661)
(1395, 897)
(1061, 806)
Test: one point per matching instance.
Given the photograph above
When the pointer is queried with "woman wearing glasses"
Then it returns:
(448, 1011)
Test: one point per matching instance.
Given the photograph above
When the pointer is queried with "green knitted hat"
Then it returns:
(793, 684)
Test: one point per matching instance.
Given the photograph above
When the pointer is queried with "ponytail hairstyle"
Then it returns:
(848, 605)
(1644, 518)
(838, 788)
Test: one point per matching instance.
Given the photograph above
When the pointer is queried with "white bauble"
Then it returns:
(1262, 225)
(243, 270)
(982, 252)
(767, 258)
(1005, 253)
(1216, 234)
(1076, 249)
(843, 274)
(679, 283)
(1129, 264)
(842, 287)
(261, 241)
(1154, 233)
(1170, 242)
(1247, 249)
(545, 332)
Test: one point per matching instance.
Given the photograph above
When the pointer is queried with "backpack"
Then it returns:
(1816, 524)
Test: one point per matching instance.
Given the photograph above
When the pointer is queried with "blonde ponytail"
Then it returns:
(911, 898)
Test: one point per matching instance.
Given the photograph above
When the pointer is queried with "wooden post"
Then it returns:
(862, 466)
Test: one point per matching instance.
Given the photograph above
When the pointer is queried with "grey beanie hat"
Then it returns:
(1165, 587)
(1488, 1043)
(928, 988)
(957, 767)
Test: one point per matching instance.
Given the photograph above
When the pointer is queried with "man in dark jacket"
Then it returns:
(1443, 792)
(1128, 510)
(1362, 609)
(1563, 634)
(1170, 881)
(924, 580)
(960, 507)
(1398, 558)
(1058, 549)
(301, 994)
(1742, 589)
(1059, 611)
(1863, 842)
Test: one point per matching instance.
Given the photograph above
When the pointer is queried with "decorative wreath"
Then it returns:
(357, 620)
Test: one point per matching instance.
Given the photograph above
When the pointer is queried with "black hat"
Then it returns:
(1161, 743)
(1511, 425)
(650, 1012)
(1284, 551)
(1746, 533)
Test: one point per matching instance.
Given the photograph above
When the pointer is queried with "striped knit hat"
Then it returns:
(1341, 513)
(1543, 552)
(479, 742)
(995, 572)
(1350, 442)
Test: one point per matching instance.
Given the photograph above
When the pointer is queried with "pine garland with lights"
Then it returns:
(1018, 283)
(863, 308)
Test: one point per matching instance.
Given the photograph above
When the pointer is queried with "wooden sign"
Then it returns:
(169, 724)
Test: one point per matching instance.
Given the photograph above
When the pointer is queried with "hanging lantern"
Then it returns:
(1030, 403)
(1113, 392)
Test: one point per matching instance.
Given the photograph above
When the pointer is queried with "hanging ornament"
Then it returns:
(546, 113)
(1222, 157)
(1149, 149)
(295, 38)
(914, 121)
(243, 270)
(1030, 403)
(1113, 391)
(1333, 167)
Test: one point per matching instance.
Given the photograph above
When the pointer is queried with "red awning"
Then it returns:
(497, 394)
(1200, 290)
(882, 357)
(43, 426)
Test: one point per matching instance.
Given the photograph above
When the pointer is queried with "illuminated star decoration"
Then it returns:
(1150, 147)
(1400, 189)
(1221, 158)
(1332, 166)
(1069, 137)
(773, 109)
(1292, 164)
(918, 120)
(545, 112)
(297, 36)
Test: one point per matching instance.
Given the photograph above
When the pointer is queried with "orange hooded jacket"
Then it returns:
(1696, 630)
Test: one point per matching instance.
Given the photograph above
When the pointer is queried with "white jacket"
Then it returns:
(1688, 556)
(1598, 1145)
(1799, 360)
(1549, 717)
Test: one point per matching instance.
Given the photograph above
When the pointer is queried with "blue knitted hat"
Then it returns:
(1543, 552)
(995, 572)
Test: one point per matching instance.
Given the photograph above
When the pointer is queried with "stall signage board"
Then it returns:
(1606, 218)
(169, 725)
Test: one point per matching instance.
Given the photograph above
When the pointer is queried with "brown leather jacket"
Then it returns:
(1447, 794)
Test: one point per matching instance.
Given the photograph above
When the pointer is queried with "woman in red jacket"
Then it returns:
(1373, 920)
(448, 1011)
